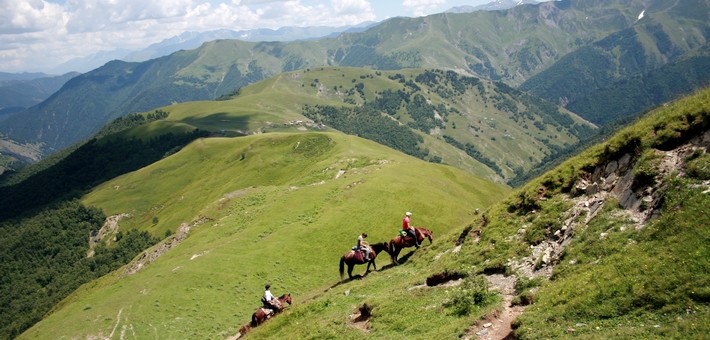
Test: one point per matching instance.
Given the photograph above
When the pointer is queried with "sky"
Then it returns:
(36, 35)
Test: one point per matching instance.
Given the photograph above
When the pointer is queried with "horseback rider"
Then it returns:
(407, 227)
(269, 301)
(362, 245)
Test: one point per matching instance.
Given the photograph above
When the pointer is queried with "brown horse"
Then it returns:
(399, 242)
(353, 257)
(262, 313)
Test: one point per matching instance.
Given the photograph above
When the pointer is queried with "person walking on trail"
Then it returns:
(407, 227)
(362, 245)
(268, 299)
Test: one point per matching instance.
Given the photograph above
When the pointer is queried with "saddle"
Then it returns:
(268, 312)
(359, 254)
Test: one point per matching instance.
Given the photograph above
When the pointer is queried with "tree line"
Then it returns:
(43, 259)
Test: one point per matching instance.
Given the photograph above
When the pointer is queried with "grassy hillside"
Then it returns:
(612, 243)
(275, 207)
(480, 126)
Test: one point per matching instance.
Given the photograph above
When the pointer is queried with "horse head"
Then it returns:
(286, 298)
(378, 247)
(426, 233)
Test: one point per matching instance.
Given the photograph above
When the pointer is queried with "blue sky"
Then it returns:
(37, 34)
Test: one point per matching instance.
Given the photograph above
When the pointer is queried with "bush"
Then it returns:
(471, 295)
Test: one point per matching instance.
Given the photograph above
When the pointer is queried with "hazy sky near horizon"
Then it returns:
(36, 35)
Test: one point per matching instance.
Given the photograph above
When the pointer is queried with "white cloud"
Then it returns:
(35, 34)
(422, 7)
(25, 16)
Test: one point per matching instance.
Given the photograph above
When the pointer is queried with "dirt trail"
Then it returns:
(496, 326)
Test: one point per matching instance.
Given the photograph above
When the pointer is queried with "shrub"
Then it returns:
(471, 295)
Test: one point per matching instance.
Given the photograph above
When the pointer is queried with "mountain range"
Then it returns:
(171, 214)
(192, 40)
(525, 46)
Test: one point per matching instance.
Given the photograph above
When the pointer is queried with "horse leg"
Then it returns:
(372, 262)
(395, 253)
(350, 270)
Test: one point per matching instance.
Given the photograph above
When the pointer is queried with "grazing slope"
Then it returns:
(278, 207)
(484, 127)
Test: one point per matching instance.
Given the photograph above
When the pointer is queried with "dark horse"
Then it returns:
(399, 242)
(262, 313)
(353, 257)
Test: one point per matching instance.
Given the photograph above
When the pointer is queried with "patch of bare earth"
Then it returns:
(497, 325)
(360, 319)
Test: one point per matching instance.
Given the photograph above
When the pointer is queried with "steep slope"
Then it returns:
(612, 243)
(509, 46)
(18, 93)
(673, 80)
(273, 207)
(665, 33)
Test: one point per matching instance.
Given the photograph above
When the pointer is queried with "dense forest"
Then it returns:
(44, 258)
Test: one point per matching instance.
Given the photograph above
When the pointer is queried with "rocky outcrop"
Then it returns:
(155, 252)
(616, 181)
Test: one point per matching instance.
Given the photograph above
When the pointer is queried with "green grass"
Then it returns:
(647, 283)
(513, 143)
(276, 212)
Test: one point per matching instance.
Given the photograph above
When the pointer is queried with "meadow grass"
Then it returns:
(276, 211)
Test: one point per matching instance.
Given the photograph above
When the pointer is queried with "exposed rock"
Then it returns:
(155, 252)
(106, 233)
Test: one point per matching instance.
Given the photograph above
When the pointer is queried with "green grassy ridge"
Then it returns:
(199, 291)
(278, 215)
(481, 116)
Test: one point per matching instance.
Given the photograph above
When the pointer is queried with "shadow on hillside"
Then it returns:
(82, 167)
(228, 124)
(360, 276)
(404, 258)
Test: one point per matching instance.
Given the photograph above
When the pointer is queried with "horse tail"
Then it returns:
(342, 267)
